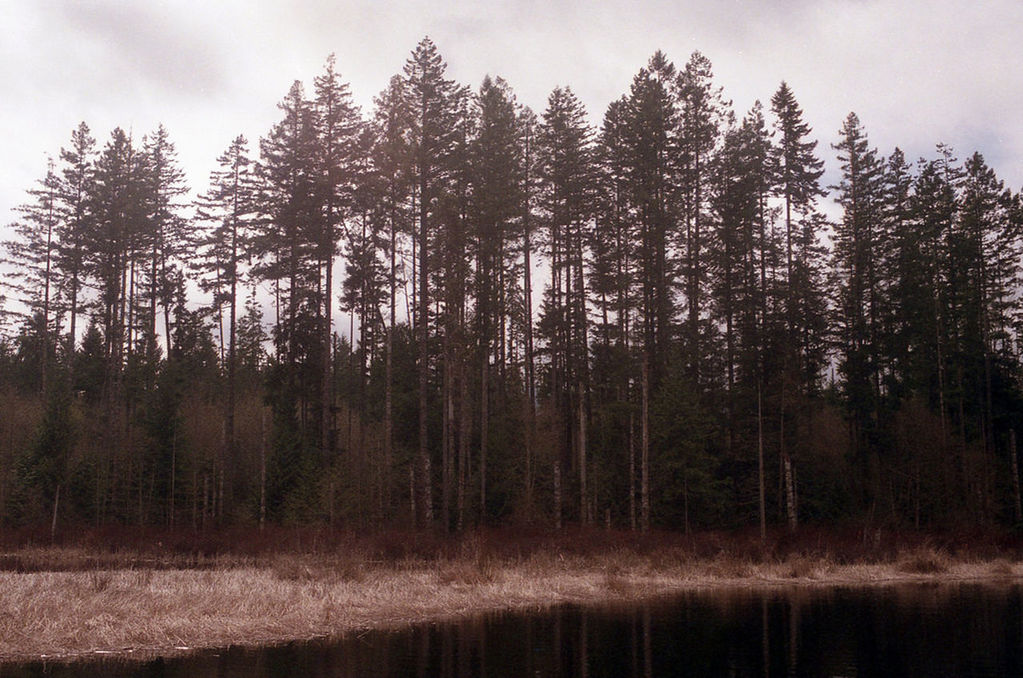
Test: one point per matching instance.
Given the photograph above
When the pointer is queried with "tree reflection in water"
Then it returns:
(920, 630)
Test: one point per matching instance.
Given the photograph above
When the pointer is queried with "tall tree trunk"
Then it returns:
(484, 428)
(644, 425)
(423, 308)
(760, 460)
(174, 477)
(389, 351)
(790, 493)
(464, 438)
(530, 387)
(232, 352)
(557, 492)
(1017, 505)
(53, 523)
(632, 473)
(448, 423)
(45, 358)
(584, 513)
(326, 367)
(262, 468)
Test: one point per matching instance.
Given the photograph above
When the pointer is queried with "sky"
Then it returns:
(915, 72)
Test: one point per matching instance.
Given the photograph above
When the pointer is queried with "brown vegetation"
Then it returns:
(156, 597)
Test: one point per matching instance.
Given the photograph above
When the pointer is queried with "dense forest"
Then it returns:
(451, 311)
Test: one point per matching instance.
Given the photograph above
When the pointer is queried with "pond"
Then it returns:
(918, 630)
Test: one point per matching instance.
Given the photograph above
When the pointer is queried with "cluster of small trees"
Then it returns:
(705, 347)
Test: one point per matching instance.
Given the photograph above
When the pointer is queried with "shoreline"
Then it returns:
(144, 613)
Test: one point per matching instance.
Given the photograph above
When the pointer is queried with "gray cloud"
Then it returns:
(145, 43)
(916, 72)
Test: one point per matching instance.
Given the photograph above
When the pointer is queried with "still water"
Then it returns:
(925, 630)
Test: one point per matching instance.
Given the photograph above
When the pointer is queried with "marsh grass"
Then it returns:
(923, 560)
(802, 567)
(306, 568)
(99, 580)
(723, 566)
(617, 581)
(79, 599)
(1001, 567)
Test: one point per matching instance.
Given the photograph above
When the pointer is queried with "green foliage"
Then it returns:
(688, 487)
(698, 301)
(44, 465)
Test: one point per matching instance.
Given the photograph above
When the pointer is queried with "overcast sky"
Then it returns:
(915, 72)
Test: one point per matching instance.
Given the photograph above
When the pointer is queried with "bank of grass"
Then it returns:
(160, 593)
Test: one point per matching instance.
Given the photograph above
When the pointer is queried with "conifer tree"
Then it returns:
(338, 127)
(798, 184)
(287, 248)
(228, 210)
(527, 125)
(166, 230)
(75, 190)
(391, 161)
(33, 256)
(743, 290)
(856, 258)
(496, 205)
(702, 110)
(566, 175)
(434, 108)
(113, 245)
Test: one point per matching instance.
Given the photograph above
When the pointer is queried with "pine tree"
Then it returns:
(527, 125)
(743, 289)
(991, 261)
(228, 209)
(702, 110)
(798, 184)
(651, 147)
(651, 136)
(859, 304)
(391, 160)
(433, 104)
(287, 243)
(338, 126)
(363, 290)
(75, 190)
(288, 250)
(113, 245)
(33, 256)
(166, 230)
(496, 205)
(566, 174)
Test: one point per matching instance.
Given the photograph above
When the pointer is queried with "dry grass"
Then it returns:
(103, 601)
(924, 560)
(1001, 567)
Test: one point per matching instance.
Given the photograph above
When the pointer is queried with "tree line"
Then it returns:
(452, 311)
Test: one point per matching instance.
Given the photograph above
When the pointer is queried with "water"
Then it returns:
(924, 630)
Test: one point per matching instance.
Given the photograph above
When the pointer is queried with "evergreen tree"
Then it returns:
(859, 304)
(434, 111)
(392, 165)
(496, 207)
(75, 191)
(33, 256)
(227, 209)
(166, 230)
(114, 244)
(702, 110)
(338, 126)
(798, 184)
(566, 174)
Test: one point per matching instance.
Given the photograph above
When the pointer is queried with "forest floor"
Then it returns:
(161, 593)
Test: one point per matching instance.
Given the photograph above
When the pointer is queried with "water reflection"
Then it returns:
(899, 631)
